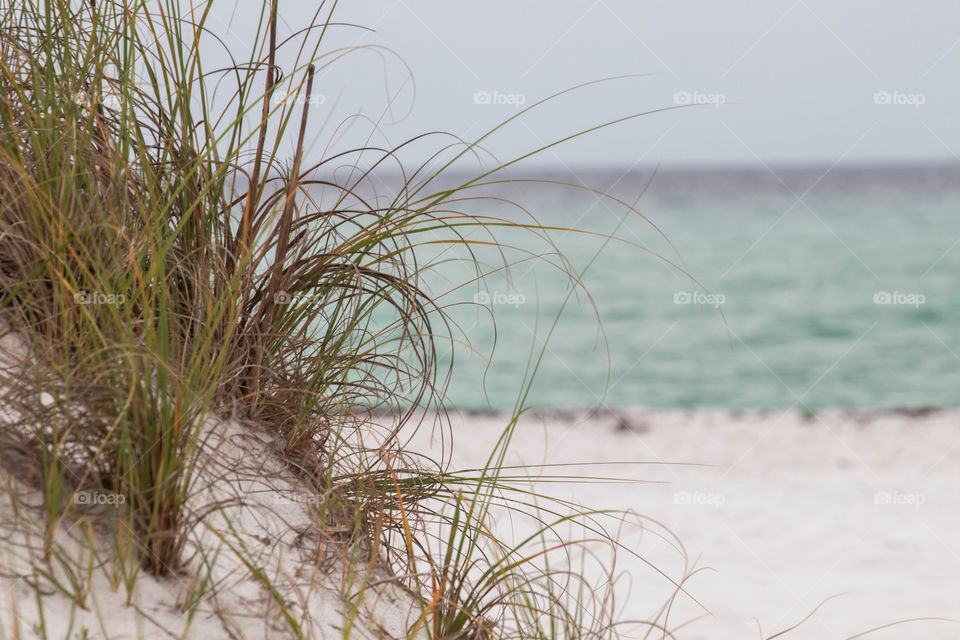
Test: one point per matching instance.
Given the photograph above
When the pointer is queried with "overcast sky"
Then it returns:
(779, 81)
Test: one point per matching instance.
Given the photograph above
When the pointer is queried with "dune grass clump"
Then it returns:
(162, 260)
(153, 289)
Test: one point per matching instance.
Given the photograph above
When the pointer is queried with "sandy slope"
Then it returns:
(794, 509)
(262, 519)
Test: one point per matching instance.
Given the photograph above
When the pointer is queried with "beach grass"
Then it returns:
(174, 258)
(164, 260)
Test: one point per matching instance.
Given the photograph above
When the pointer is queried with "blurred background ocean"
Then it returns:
(822, 287)
(858, 98)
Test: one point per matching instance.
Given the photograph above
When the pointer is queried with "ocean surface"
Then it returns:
(815, 287)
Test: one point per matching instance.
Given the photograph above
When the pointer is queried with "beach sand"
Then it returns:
(265, 519)
(792, 510)
(782, 510)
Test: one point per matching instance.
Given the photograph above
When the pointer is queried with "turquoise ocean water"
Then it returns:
(820, 289)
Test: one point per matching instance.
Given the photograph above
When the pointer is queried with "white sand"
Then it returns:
(794, 510)
(272, 530)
